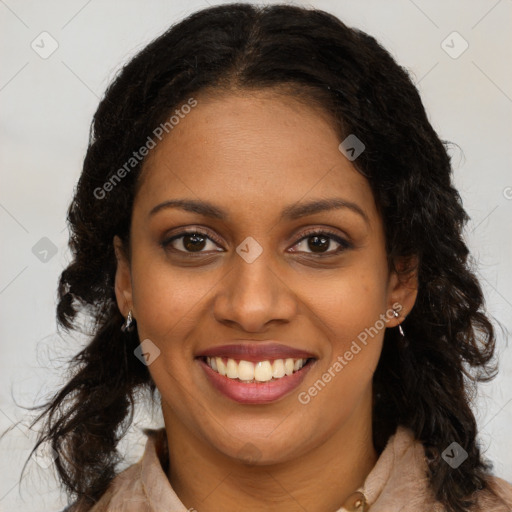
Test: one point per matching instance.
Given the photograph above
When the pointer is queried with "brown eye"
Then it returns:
(194, 242)
(320, 241)
(190, 242)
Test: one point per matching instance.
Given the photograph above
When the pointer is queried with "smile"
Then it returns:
(257, 382)
(260, 371)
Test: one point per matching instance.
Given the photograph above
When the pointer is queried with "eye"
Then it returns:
(196, 241)
(190, 241)
(319, 241)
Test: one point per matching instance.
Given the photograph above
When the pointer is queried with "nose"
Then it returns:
(253, 295)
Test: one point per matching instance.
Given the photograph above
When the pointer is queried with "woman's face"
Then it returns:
(273, 264)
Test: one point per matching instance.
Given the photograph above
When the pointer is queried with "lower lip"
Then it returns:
(255, 392)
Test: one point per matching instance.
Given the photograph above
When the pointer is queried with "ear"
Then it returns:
(123, 279)
(403, 289)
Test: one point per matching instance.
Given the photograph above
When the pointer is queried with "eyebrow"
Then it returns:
(294, 211)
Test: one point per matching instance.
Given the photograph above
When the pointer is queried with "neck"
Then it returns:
(318, 481)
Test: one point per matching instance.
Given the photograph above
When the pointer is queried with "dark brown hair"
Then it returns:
(425, 384)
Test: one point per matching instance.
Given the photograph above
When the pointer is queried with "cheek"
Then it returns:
(349, 314)
(350, 301)
(352, 310)
(166, 301)
(165, 298)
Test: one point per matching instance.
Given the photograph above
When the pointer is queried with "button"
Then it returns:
(356, 502)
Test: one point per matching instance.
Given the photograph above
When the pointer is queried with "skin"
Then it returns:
(253, 154)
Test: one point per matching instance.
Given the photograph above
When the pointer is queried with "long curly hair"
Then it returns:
(426, 384)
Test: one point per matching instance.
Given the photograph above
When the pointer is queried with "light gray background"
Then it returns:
(46, 109)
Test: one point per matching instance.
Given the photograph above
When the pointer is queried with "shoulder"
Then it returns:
(124, 487)
(496, 497)
(400, 479)
(127, 487)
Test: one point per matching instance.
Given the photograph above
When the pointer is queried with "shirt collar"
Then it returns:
(400, 471)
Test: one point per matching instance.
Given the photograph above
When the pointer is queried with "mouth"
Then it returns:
(255, 382)
(259, 371)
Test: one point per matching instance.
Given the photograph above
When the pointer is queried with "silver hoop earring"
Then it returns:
(399, 325)
(128, 325)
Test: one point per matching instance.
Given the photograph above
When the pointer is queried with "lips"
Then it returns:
(278, 370)
(256, 351)
(254, 392)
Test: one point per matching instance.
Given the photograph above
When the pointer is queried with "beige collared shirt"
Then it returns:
(397, 483)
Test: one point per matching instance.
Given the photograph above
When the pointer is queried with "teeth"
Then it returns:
(232, 369)
(245, 370)
(278, 369)
(288, 366)
(221, 367)
(262, 371)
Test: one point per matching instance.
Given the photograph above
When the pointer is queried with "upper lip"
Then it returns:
(258, 351)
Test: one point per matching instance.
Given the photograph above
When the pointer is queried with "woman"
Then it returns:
(267, 237)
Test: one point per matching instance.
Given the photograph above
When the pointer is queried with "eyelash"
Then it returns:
(344, 244)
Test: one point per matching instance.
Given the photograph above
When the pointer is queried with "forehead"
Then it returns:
(256, 148)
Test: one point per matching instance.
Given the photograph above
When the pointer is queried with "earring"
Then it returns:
(395, 312)
(128, 325)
